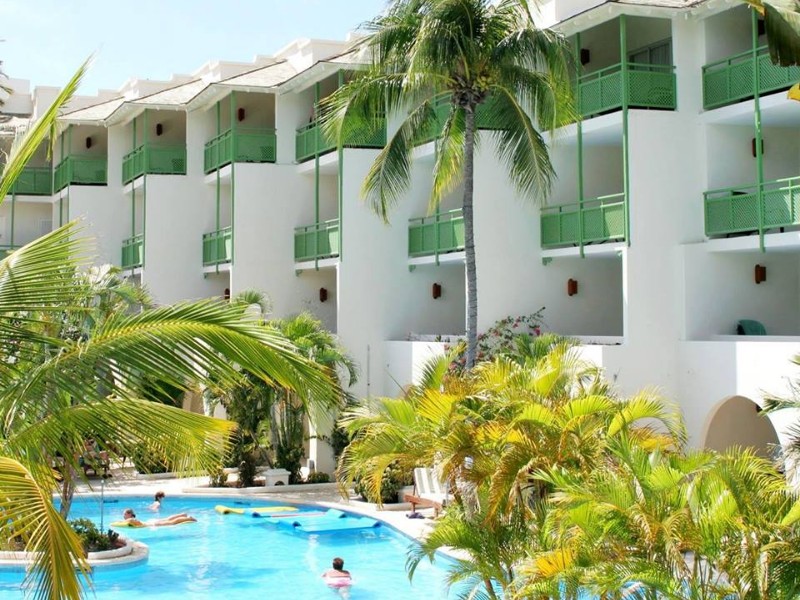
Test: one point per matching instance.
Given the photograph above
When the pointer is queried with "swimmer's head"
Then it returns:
(159, 496)
(338, 563)
(129, 514)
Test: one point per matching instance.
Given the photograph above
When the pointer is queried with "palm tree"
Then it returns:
(468, 55)
(69, 370)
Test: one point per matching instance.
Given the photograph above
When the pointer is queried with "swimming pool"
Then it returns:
(239, 557)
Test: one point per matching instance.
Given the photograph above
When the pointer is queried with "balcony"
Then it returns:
(240, 145)
(438, 234)
(732, 79)
(311, 141)
(153, 160)
(744, 210)
(601, 219)
(483, 119)
(133, 252)
(318, 241)
(34, 181)
(218, 247)
(79, 170)
(648, 86)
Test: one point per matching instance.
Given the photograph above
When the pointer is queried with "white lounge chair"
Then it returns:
(428, 491)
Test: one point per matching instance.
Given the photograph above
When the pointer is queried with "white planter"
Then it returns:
(276, 477)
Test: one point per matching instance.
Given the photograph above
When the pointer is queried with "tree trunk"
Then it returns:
(469, 236)
(67, 491)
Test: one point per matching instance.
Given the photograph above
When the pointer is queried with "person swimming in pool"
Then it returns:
(130, 517)
(156, 504)
(337, 578)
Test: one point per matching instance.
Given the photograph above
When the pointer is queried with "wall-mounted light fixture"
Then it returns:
(753, 147)
(159, 129)
(762, 27)
(760, 273)
(240, 114)
(323, 294)
(227, 294)
(586, 56)
(88, 142)
(436, 291)
(572, 287)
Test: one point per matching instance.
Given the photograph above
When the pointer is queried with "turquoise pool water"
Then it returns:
(238, 557)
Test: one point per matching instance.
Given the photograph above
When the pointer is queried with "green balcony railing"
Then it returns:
(438, 234)
(732, 79)
(310, 139)
(153, 160)
(483, 119)
(648, 86)
(317, 241)
(218, 247)
(34, 181)
(133, 252)
(743, 210)
(240, 145)
(597, 220)
(79, 170)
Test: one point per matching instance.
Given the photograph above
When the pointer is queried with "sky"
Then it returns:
(46, 40)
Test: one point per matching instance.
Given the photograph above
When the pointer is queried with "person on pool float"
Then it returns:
(156, 505)
(130, 518)
(338, 578)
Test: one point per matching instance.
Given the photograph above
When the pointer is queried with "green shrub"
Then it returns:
(145, 462)
(217, 477)
(318, 477)
(394, 478)
(247, 472)
(92, 539)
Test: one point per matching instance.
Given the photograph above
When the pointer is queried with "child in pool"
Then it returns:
(338, 579)
(156, 505)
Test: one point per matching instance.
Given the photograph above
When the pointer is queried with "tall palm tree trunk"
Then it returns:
(469, 236)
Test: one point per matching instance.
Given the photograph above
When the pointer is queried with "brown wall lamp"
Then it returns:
(436, 291)
(240, 114)
(760, 273)
(159, 128)
(323, 294)
(88, 142)
(572, 287)
(753, 147)
(586, 56)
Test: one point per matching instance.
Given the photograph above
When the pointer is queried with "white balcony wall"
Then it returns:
(721, 290)
(31, 220)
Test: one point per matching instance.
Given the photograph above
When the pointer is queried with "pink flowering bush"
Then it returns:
(498, 339)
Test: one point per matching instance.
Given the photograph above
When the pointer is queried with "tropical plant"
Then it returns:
(92, 539)
(466, 55)
(59, 387)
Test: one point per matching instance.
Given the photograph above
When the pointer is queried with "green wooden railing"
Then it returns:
(743, 209)
(240, 145)
(79, 170)
(484, 119)
(438, 234)
(648, 86)
(313, 242)
(311, 140)
(731, 79)
(153, 160)
(34, 181)
(218, 247)
(600, 219)
(133, 252)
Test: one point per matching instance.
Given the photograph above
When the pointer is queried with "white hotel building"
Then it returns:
(676, 210)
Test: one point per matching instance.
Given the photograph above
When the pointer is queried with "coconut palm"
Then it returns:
(468, 56)
(67, 375)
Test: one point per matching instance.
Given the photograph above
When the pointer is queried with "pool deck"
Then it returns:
(126, 483)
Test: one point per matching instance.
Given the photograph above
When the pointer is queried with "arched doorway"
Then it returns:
(737, 421)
